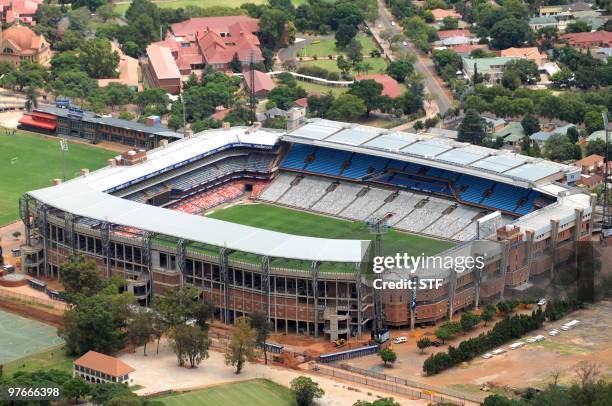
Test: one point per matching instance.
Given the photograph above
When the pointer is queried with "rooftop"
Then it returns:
(104, 363)
(589, 160)
(163, 62)
(442, 34)
(487, 64)
(390, 86)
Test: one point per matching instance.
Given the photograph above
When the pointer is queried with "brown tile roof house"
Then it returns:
(440, 14)
(590, 163)
(466, 49)
(444, 34)
(390, 86)
(128, 70)
(162, 70)
(531, 53)
(589, 39)
(262, 82)
(97, 367)
(223, 25)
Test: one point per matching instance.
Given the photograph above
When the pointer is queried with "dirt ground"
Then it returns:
(8, 242)
(10, 119)
(532, 365)
(159, 372)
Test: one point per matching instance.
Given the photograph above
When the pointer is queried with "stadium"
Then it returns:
(287, 222)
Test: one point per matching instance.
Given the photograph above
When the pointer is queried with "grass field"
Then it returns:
(312, 225)
(122, 7)
(259, 392)
(53, 358)
(30, 162)
(378, 65)
(22, 337)
(317, 88)
(328, 47)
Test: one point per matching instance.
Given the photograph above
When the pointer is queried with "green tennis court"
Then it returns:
(20, 337)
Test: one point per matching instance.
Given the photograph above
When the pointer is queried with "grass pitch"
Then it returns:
(312, 225)
(29, 162)
(259, 392)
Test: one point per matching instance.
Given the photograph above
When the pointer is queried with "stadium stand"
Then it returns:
(278, 187)
(422, 216)
(367, 202)
(212, 198)
(305, 193)
(450, 224)
(336, 200)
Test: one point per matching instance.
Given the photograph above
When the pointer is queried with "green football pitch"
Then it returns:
(21, 337)
(259, 392)
(312, 225)
(29, 162)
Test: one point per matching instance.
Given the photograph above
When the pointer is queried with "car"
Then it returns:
(400, 340)
(379, 25)
(554, 332)
(498, 351)
(531, 340)
(405, 43)
(393, 23)
(436, 343)
(565, 327)
(541, 302)
(487, 355)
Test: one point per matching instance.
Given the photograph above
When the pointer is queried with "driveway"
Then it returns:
(290, 53)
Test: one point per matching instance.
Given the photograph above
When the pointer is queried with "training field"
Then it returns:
(312, 225)
(29, 162)
(20, 337)
(259, 392)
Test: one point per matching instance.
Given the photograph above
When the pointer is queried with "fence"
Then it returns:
(32, 299)
(394, 384)
(348, 354)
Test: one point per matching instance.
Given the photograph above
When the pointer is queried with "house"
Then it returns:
(597, 39)
(541, 137)
(530, 53)
(440, 14)
(590, 181)
(466, 49)
(20, 44)
(127, 70)
(536, 23)
(512, 134)
(591, 164)
(19, 11)
(564, 9)
(452, 41)
(602, 53)
(598, 135)
(95, 367)
(262, 82)
(161, 70)
(490, 68)
(390, 86)
(445, 34)
(493, 124)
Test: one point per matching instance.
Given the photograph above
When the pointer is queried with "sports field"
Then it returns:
(122, 5)
(259, 392)
(312, 225)
(21, 337)
(29, 162)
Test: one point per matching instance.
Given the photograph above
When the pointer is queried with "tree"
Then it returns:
(450, 23)
(98, 58)
(125, 115)
(306, 390)
(423, 343)
(369, 91)
(400, 69)
(488, 313)
(236, 64)
(140, 330)
(560, 148)
(578, 26)
(116, 94)
(343, 65)
(31, 99)
(103, 393)
(80, 277)
(241, 347)
(471, 128)
(318, 106)
(71, 40)
(593, 121)
(75, 388)
(510, 32)
(353, 51)
(159, 328)
(344, 34)
(525, 70)
(261, 324)
(92, 5)
(152, 98)
(468, 321)
(530, 124)
(190, 344)
(381, 402)
(346, 107)
(272, 24)
(387, 355)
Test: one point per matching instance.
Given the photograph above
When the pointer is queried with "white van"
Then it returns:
(554, 332)
(400, 340)
(487, 355)
(516, 345)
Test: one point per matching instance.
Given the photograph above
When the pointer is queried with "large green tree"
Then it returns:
(306, 390)
(98, 58)
(242, 345)
(369, 91)
(472, 128)
(190, 344)
(510, 32)
(346, 107)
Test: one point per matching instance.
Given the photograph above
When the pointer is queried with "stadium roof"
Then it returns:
(87, 197)
(425, 149)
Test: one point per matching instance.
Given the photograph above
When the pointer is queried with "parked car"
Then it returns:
(393, 23)
(405, 43)
(487, 355)
(436, 343)
(541, 302)
(554, 332)
(400, 340)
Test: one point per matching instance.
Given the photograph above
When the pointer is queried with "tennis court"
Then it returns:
(20, 337)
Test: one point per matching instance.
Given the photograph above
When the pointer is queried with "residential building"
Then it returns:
(512, 134)
(590, 181)
(564, 9)
(262, 82)
(467, 49)
(530, 53)
(598, 135)
(590, 164)
(490, 68)
(19, 11)
(127, 70)
(20, 44)
(541, 137)
(445, 34)
(602, 53)
(390, 86)
(440, 14)
(597, 39)
(537, 23)
(493, 124)
(95, 367)
(161, 70)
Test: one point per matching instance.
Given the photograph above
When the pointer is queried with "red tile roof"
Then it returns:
(27, 119)
(104, 363)
(439, 14)
(221, 114)
(600, 38)
(218, 24)
(219, 50)
(390, 86)
(589, 160)
(444, 34)
(303, 102)
(262, 81)
(468, 48)
(162, 62)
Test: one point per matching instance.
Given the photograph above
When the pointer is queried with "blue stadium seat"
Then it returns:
(360, 163)
(475, 187)
(504, 197)
(297, 155)
(328, 161)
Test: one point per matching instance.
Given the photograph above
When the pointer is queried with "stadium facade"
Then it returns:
(137, 218)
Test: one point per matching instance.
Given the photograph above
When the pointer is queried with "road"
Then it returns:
(441, 97)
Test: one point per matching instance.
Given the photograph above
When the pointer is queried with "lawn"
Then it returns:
(30, 162)
(328, 47)
(312, 225)
(53, 358)
(317, 88)
(122, 7)
(259, 392)
(378, 65)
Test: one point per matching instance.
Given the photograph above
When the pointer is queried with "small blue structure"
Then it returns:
(348, 354)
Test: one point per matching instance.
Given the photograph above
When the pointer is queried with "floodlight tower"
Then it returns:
(606, 223)
(252, 99)
(378, 227)
(64, 148)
